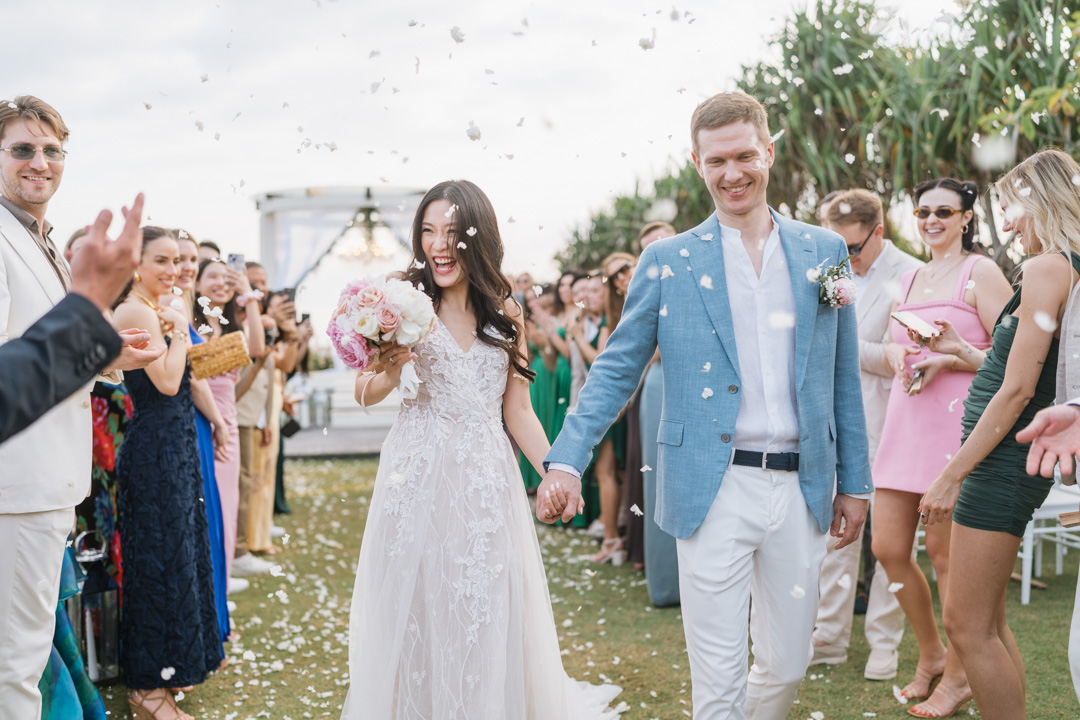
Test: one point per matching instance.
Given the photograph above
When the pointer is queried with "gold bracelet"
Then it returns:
(182, 333)
(953, 363)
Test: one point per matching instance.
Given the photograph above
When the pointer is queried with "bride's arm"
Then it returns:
(518, 411)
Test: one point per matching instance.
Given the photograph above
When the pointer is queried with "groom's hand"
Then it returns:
(849, 514)
(570, 488)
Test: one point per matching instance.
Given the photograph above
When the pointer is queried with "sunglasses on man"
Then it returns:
(942, 212)
(854, 250)
(52, 153)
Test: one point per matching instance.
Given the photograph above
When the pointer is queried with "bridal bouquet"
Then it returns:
(371, 312)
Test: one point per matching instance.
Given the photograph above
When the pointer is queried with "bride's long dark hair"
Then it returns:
(480, 262)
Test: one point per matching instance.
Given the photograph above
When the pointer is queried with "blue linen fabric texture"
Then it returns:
(695, 434)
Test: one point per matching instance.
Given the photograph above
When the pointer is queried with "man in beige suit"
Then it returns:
(45, 470)
(877, 266)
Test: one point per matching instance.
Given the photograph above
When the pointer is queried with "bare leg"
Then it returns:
(975, 620)
(608, 481)
(896, 515)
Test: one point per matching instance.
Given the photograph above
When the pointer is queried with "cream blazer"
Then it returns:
(48, 465)
(1068, 368)
(872, 311)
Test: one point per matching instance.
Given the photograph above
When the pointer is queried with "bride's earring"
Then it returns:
(138, 278)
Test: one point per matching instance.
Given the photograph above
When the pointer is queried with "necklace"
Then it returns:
(153, 306)
(941, 272)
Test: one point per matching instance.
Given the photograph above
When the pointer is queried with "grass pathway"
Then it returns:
(291, 659)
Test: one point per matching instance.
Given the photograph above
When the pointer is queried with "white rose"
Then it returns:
(365, 324)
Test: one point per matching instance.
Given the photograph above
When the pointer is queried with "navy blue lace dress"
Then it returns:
(169, 626)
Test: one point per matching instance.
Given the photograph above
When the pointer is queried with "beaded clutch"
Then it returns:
(219, 355)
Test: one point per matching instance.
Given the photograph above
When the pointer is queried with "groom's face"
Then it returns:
(734, 162)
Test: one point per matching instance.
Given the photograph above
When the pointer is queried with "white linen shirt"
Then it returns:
(763, 316)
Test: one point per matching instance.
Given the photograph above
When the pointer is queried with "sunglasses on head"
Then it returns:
(617, 273)
(942, 212)
(52, 153)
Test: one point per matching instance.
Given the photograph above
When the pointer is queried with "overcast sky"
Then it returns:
(207, 103)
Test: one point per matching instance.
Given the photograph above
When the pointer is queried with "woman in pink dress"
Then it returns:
(966, 290)
(228, 291)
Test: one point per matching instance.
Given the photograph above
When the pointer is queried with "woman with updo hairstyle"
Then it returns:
(169, 633)
(962, 291)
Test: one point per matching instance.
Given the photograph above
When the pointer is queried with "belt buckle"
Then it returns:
(764, 461)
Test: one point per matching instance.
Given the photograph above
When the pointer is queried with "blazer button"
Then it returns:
(733, 389)
(86, 404)
(725, 438)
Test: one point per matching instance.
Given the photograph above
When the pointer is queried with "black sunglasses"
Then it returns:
(618, 272)
(854, 250)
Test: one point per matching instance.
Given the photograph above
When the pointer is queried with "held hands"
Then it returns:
(559, 496)
(1054, 434)
(849, 514)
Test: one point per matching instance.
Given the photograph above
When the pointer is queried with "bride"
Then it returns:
(451, 617)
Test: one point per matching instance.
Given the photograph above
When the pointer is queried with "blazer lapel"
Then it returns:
(875, 288)
(707, 261)
(19, 238)
(801, 253)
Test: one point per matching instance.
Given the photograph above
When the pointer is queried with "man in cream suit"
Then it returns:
(877, 265)
(45, 470)
(762, 439)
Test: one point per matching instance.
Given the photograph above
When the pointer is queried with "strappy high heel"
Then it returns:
(958, 700)
(922, 674)
(611, 550)
(155, 707)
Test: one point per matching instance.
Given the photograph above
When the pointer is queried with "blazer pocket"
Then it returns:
(670, 433)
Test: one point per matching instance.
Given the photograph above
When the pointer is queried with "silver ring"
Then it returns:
(393, 361)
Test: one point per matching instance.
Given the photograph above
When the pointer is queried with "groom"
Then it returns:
(762, 414)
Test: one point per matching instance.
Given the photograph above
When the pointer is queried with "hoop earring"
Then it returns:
(137, 277)
(964, 229)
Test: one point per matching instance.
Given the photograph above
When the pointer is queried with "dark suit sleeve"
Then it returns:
(56, 356)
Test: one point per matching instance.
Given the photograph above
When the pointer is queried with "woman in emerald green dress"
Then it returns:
(550, 389)
(985, 486)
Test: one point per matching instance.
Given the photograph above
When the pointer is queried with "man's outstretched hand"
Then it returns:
(136, 352)
(1054, 434)
(102, 267)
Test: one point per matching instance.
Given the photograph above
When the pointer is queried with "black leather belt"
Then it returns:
(787, 462)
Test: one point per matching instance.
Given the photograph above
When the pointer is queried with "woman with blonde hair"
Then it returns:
(985, 488)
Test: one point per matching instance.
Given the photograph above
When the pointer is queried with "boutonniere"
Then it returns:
(835, 286)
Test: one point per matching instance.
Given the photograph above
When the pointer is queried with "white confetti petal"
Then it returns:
(707, 237)
(684, 252)
(706, 282)
(843, 69)
(663, 311)
(779, 320)
(418, 265)
(636, 510)
(177, 304)
(177, 291)
(462, 246)
(646, 468)
(473, 132)
(798, 593)
(666, 272)
(1045, 322)
(844, 581)
(471, 232)
(167, 673)
(707, 368)
(895, 587)
(457, 34)
(204, 301)
(952, 404)
(205, 330)
(707, 393)
(899, 695)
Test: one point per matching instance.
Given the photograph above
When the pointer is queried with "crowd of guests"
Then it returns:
(187, 473)
(172, 481)
(939, 409)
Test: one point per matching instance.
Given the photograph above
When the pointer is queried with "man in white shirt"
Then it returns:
(877, 266)
(761, 450)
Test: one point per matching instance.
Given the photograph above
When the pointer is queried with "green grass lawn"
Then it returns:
(291, 659)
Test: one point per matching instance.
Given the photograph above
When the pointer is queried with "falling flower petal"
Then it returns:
(952, 404)
(707, 368)
(646, 468)
(779, 320)
(1045, 322)
(167, 673)
(461, 246)
(684, 252)
(418, 265)
(636, 510)
(666, 272)
(899, 695)
(707, 237)
(798, 593)
(844, 581)
(663, 311)
(706, 393)
(457, 34)
(473, 132)
(205, 330)
(706, 282)
(895, 587)
(471, 231)
(177, 304)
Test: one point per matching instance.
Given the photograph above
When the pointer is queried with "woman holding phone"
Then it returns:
(965, 290)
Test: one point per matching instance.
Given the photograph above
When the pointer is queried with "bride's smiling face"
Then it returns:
(439, 238)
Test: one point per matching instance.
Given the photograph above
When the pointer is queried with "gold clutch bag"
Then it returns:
(218, 355)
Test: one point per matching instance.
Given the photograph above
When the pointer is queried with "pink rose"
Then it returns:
(845, 291)
(353, 350)
(371, 296)
(388, 317)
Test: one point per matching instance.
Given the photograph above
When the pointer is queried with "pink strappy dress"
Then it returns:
(922, 432)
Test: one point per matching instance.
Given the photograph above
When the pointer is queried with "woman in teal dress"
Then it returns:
(985, 486)
(544, 390)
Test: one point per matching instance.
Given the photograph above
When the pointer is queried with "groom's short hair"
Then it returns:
(726, 108)
(855, 206)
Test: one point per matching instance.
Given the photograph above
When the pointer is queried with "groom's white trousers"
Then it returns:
(759, 540)
(31, 555)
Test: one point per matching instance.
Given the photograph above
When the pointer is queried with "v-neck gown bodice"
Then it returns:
(451, 616)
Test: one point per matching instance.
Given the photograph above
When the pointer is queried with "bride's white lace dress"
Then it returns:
(451, 618)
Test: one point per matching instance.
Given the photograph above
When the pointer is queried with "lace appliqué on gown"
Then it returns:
(451, 616)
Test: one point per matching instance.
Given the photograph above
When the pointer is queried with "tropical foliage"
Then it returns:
(863, 103)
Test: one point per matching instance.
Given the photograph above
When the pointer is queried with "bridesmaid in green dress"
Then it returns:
(544, 390)
(985, 486)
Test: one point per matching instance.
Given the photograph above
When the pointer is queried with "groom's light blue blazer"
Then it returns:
(695, 436)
